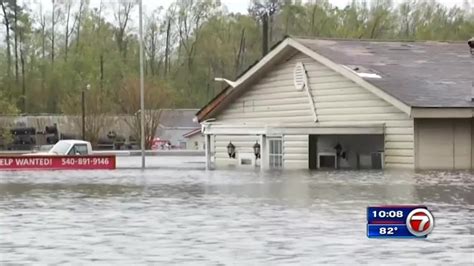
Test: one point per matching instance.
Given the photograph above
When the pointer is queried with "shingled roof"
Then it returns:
(412, 74)
(420, 74)
(178, 118)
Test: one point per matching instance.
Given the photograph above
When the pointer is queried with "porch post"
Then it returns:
(208, 151)
(263, 153)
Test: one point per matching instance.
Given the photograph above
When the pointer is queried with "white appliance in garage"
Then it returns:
(377, 160)
(373, 160)
(327, 160)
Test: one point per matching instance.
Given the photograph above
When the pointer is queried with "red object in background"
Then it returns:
(88, 162)
(157, 143)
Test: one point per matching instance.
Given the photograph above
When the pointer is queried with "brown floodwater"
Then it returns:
(227, 217)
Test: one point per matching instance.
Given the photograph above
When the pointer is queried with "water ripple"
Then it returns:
(227, 217)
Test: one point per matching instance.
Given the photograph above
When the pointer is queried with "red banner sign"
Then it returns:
(37, 162)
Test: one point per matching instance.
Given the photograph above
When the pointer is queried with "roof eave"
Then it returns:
(207, 111)
(289, 43)
(443, 112)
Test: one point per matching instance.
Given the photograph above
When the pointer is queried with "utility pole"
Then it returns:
(142, 85)
(83, 105)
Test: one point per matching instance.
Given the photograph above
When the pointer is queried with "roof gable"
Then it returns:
(391, 87)
(284, 49)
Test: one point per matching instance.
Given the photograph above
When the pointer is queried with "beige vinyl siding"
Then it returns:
(295, 151)
(462, 143)
(191, 142)
(339, 101)
(444, 144)
(272, 99)
(243, 144)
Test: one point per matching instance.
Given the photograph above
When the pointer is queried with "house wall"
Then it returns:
(191, 142)
(243, 145)
(444, 144)
(339, 101)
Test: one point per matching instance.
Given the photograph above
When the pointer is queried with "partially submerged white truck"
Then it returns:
(68, 147)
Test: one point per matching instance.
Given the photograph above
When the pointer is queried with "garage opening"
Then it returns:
(346, 151)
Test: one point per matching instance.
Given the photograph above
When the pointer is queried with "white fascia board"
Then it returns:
(443, 112)
(359, 129)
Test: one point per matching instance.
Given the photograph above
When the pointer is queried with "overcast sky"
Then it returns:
(242, 5)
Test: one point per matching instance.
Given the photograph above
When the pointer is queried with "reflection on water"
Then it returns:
(226, 217)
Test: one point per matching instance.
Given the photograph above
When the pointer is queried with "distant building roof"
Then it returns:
(178, 118)
(420, 74)
(192, 133)
(174, 123)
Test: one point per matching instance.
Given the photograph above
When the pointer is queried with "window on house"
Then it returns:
(275, 146)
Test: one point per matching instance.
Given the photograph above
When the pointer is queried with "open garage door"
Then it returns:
(346, 151)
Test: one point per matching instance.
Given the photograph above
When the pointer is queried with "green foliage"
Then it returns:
(6, 137)
(186, 46)
(7, 107)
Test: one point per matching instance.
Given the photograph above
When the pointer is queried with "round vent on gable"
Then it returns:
(299, 76)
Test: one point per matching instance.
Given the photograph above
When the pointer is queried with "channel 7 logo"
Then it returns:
(399, 221)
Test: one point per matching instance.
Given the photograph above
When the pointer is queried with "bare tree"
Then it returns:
(7, 24)
(97, 120)
(15, 24)
(54, 20)
(156, 96)
(171, 13)
(82, 5)
(23, 76)
(69, 29)
(122, 16)
(167, 48)
(264, 11)
(240, 54)
(192, 14)
(42, 22)
(152, 40)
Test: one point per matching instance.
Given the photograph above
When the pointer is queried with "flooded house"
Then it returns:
(195, 140)
(173, 126)
(346, 104)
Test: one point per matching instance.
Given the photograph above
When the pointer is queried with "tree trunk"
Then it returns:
(270, 30)
(287, 23)
(167, 48)
(238, 62)
(6, 22)
(15, 17)
(43, 36)
(101, 71)
(123, 16)
(52, 33)
(43, 49)
(79, 17)
(66, 45)
(313, 13)
(23, 82)
(264, 34)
